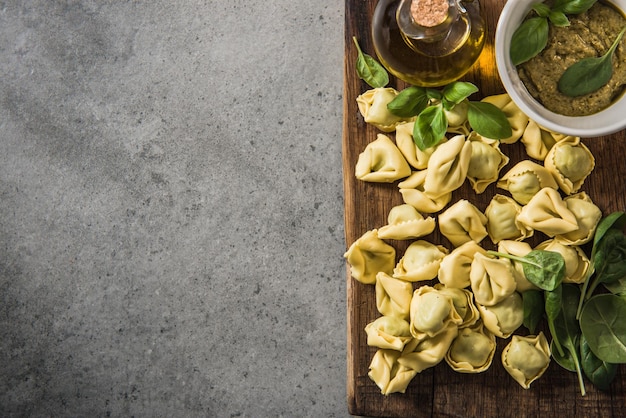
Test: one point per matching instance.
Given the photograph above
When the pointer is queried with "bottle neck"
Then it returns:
(433, 27)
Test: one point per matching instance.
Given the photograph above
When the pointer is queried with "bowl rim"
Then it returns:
(607, 121)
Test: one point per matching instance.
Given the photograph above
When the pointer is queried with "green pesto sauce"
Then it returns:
(590, 34)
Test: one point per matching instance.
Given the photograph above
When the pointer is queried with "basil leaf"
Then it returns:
(599, 372)
(541, 9)
(573, 7)
(533, 309)
(602, 324)
(589, 74)
(370, 70)
(409, 102)
(529, 39)
(456, 92)
(558, 19)
(430, 127)
(434, 94)
(488, 120)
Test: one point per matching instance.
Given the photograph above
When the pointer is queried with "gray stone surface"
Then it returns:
(171, 213)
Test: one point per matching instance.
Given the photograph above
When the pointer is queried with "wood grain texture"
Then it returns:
(441, 392)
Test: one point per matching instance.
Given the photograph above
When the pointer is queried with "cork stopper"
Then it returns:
(429, 13)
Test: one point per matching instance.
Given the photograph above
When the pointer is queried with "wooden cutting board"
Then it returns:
(441, 392)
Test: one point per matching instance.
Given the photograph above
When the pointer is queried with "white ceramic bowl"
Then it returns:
(607, 121)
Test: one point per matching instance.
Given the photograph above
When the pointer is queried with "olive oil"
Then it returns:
(428, 56)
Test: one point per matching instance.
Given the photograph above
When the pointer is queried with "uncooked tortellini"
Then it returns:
(388, 374)
(457, 119)
(525, 179)
(454, 269)
(417, 158)
(405, 222)
(491, 279)
(472, 350)
(447, 167)
(393, 296)
(504, 317)
(538, 140)
(517, 119)
(485, 163)
(502, 223)
(463, 222)
(373, 107)
(381, 162)
(369, 255)
(388, 332)
(420, 262)
(463, 301)
(420, 354)
(413, 193)
(570, 162)
(548, 213)
(432, 312)
(519, 249)
(576, 261)
(526, 358)
(588, 216)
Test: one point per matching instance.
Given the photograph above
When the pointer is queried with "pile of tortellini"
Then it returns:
(451, 304)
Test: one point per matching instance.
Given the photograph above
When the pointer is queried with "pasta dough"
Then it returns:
(503, 318)
(486, 162)
(548, 213)
(368, 256)
(472, 351)
(417, 158)
(587, 214)
(502, 223)
(539, 140)
(413, 193)
(420, 262)
(388, 374)
(432, 312)
(491, 279)
(519, 249)
(381, 162)
(525, 179)
(373, 107)
(454, 269)
(463, 222)
(421, 354)
(447, 167)
(388, 332)
(463, 301)
(570, 162)
(457, 119)
(393, 296)
(526, 358)
(405, 222)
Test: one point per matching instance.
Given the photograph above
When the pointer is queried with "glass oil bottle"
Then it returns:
(428, 43)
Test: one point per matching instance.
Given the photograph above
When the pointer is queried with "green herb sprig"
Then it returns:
(531, 37)
(370, 70)
(429, 105)
(589, 74)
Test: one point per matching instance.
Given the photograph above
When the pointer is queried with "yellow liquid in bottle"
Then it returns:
(428, 63)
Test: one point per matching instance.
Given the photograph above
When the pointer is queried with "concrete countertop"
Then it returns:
(171, 209)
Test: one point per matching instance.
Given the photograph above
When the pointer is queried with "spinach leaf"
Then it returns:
(370, 70)
(409, 102)
(488, 120)
(609, 260)
(589, 74)
(533, 309)
(599, 372)
(553, 307)
(602, 323)
(430, 127)
(544, 269)
(615, 220)
(567, 330)
(529, 39)
(564, 360)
